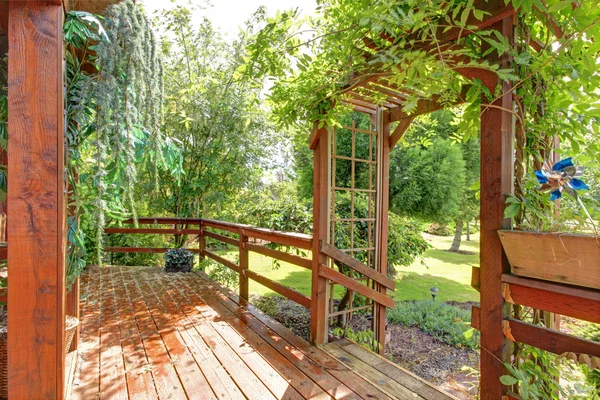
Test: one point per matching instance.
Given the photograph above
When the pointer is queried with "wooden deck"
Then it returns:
(146, 334)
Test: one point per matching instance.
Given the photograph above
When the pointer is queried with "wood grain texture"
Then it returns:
(400, 130)
(393, 371)
(551, 340)
(36, 357)
(182, 336)
(560, 299)
(356, 265)
(279, 288)
(355, 286)
(72, 308)
(280, 255)
(321, 186)
(564, 258)
(244, 257)
(497, 137)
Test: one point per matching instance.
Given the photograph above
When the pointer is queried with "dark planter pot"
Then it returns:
(179, 268)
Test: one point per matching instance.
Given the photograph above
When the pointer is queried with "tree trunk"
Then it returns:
(468, 231)
(457, 235)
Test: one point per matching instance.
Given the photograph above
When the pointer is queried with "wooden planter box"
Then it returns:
(558, 257)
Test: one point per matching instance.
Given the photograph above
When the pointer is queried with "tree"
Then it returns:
(216, 119)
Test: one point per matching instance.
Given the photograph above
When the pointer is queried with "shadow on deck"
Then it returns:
(146, 334)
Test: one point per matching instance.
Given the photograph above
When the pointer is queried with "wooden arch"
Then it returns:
(497, 135)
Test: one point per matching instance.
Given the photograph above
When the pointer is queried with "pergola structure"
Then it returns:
(37, 208)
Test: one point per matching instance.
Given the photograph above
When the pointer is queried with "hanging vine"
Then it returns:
(128, 92)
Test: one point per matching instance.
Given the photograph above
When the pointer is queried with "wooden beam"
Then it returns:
(357, 266)
(72, 308)
(576, 302)
(355, 286)
(382, 212)
(476, 278)
(165, 221)
(36, 187)
(279, 288)
(497, 135)
(426, 106)
(548, 339)
(280, 255)
(221, 238)
(321, 186)
(400, 131)
(244, 265)
(142, 250)
(476, 318)
(221, 260)
(157, 231)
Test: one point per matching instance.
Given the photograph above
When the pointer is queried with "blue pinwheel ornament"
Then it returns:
(562, 176)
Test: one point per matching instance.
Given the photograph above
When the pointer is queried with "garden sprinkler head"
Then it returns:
(434, 291)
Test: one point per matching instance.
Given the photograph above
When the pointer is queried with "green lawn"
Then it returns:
(449, 272)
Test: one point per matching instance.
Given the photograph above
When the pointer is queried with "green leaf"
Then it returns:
(508, 380)
(559, 6)
(512, 210)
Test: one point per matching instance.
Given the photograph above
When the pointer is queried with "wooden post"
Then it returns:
(497, 137)
(36, 193)
(318, 308)
(244, 265)
(383, 193)
(72, 308)
(201, 242)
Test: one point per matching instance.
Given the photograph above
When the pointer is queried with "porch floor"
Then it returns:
(146, 334)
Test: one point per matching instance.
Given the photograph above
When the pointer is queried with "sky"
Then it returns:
(228, 15)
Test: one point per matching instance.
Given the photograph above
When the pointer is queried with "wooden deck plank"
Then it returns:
(245, 378)
(86, 383)
(394, 371)
(314, 370)
(348, 381)
(384, 383)
(188, 370)
(113, 384)
(165, 377)
(251, 343)
(221, 383)
(314, 353)
(140, 383)
(148, 334)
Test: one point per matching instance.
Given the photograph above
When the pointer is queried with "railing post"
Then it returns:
(72, 308)
(243, 264)
(318, 308)
(383, 191)
(201, 242)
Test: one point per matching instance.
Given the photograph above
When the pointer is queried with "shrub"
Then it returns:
(448, 323)
(179, 260)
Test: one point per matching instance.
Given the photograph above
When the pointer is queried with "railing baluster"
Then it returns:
(243, 256)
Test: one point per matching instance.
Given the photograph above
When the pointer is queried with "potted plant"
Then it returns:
(551, 250)
(178, 260)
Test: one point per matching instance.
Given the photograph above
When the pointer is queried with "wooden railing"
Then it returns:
(245, 239)
(353, 284)
(576, 302)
